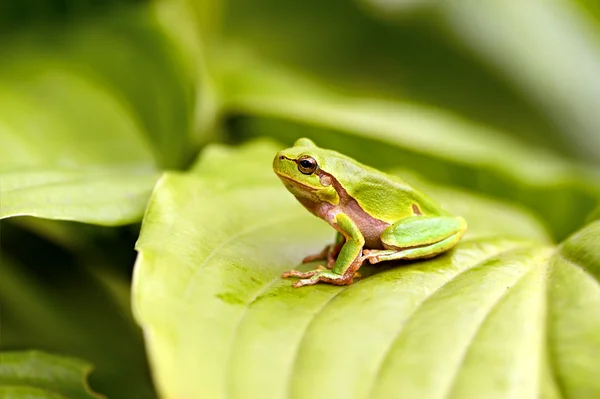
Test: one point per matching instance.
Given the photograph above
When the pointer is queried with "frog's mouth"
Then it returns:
(294, 184)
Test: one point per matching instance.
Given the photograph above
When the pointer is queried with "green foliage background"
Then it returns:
(164, 115)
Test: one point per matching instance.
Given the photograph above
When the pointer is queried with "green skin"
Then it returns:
(378, 217)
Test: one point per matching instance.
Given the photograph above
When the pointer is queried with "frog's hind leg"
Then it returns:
(418, 237)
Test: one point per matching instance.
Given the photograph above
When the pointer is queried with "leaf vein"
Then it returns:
(238, 325)
(490, 310)
(226, 242)
(307, 328)
(427, 298)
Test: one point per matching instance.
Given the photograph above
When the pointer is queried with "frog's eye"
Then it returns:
(307, 165)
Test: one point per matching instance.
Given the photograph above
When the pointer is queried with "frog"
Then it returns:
(377, 216)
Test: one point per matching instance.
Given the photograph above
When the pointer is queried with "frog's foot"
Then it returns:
(374, 255)
(320, 274)
(299, 274)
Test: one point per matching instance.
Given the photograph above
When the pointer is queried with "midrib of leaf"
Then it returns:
(229, 367)
(550, 355)
(290, 378)
(539, 269)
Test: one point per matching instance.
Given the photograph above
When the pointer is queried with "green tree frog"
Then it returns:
(378, 217)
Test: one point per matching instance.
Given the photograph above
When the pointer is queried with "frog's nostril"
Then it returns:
(281, 157)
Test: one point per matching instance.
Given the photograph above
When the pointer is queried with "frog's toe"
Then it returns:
(299, 274)
(306, 281)
(322, 274)
(369, 255)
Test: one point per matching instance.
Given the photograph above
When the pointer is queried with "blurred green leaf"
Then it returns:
(594, 215)
(52, 116)
(21, 14)
(412, 59)
(191, 26)
(50, 302)
(123, 54)
(443, 147)
(548, 50)
(82, 132)
(65, 158)
(104, 197)
(35, 375)
(220, 322)
(534, 44)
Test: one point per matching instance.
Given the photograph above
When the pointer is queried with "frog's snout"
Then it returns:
(279, 159)
(278, 162)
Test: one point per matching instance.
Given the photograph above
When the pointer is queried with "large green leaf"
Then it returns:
(33, 375)
(502, 315)
(443, 147)
(90, 164)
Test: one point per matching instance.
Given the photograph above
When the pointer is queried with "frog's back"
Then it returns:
(379, 193)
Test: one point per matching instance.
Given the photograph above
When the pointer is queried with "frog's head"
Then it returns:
(300, 170)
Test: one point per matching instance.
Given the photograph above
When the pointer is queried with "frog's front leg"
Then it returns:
(418, 237)
(348, 260)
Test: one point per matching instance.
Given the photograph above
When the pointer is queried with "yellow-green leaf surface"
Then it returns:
(37, 375)
(503, 315)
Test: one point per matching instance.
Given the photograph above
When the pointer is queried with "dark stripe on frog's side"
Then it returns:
(416, 210)
(369, 226)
